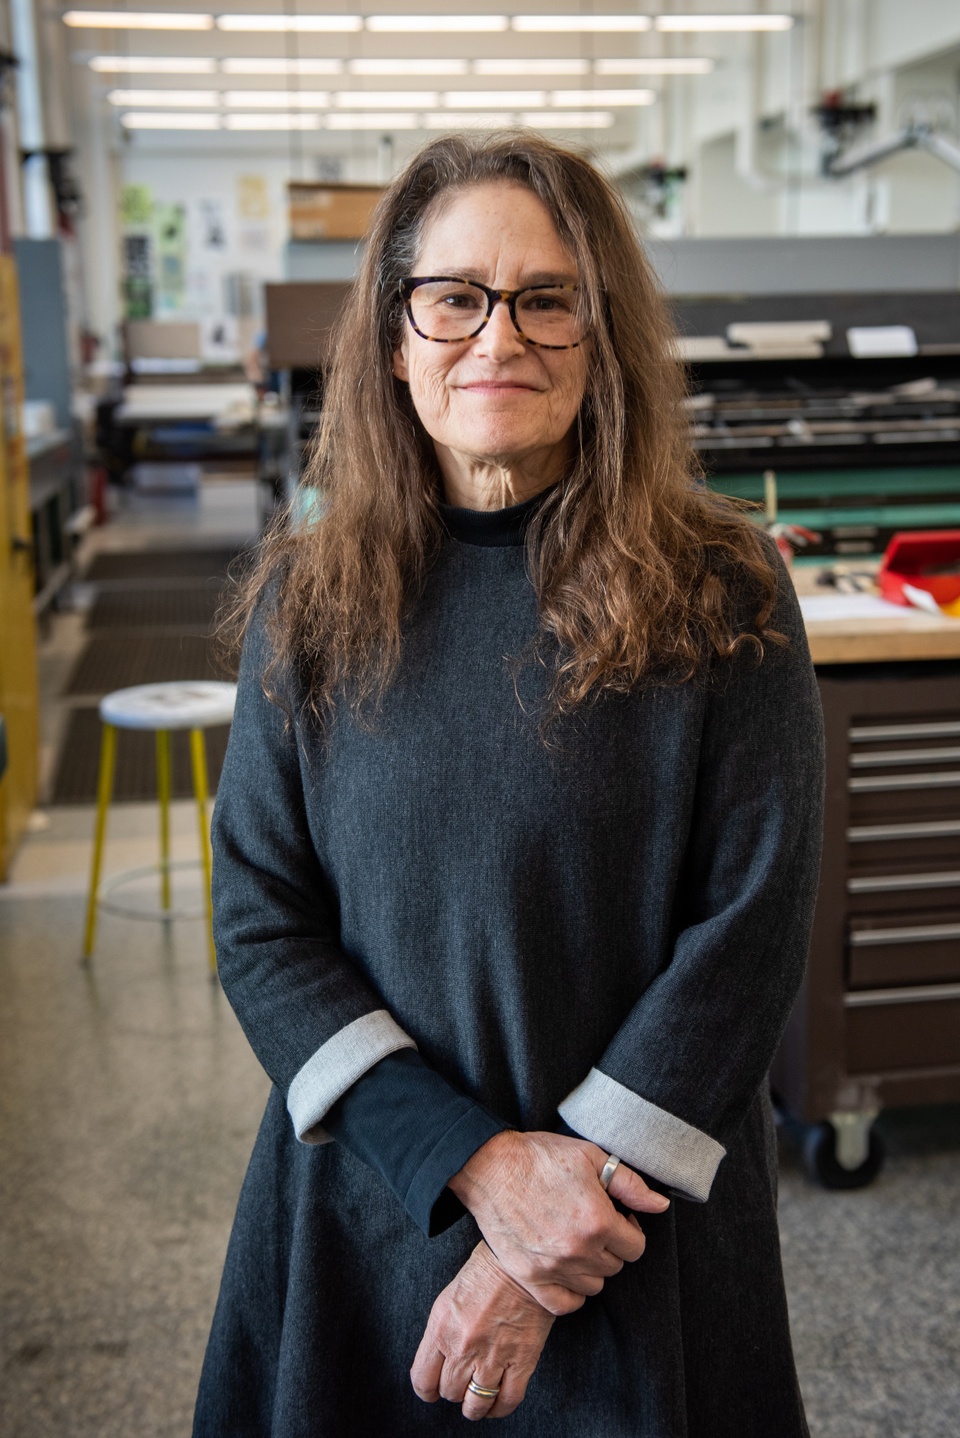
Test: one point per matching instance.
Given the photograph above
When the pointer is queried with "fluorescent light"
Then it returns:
(132, 120)
(134, 20)
(173, 98)
(464, 120)
(578, 23)
(271, 122)
(408, 67)
(434, 24)
(290, 22)
(531, 67)
(723, 22)
(277, 99)
(385, 99)
(653, 67)
(493, 99)
(146, 65)
(282, 67)
(569, 119)
(404, 121)
(602, 97)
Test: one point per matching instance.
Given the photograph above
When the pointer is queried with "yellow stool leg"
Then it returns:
(163, 795)
(198, 758)
(108, 756)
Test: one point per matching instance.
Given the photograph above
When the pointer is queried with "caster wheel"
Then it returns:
(822, 1165)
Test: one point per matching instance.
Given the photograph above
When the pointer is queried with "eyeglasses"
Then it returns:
(446, 309)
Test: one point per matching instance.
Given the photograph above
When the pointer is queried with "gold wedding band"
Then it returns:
(609, 1169)
(478, 1390)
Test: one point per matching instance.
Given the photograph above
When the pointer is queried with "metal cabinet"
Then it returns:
(878, 1020)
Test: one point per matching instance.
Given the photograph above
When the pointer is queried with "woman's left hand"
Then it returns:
(484, 1327)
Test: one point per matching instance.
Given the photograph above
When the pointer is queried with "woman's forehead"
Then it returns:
(474, 226)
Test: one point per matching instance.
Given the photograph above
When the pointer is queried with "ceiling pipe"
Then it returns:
(914, 137)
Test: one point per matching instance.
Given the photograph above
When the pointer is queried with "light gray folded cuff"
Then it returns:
(336, 1065)
(644, 1136)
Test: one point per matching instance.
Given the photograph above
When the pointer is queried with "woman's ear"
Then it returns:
(400, 364)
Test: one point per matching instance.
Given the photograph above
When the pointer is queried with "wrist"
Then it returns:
(473, 1178)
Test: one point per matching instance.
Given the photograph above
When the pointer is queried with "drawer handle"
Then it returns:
(928, 829)
(914, 934)
(942, 729)
(881, 783)
(926, 994)
(887, 883)
(887, 757)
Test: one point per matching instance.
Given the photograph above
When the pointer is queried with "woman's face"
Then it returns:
(495, 400)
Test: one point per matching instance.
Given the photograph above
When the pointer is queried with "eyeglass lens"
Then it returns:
(454, 310)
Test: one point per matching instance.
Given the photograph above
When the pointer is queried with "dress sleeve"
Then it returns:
(678, 1076)
(315, 1023)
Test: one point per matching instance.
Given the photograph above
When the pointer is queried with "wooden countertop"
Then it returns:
(865, 629)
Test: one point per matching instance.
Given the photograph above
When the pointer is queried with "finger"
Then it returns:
(455, 1377)
(628, 1188)
(626, 1239)
(475, 1407)
(513, 1388)
(426, 1370)
(556, 1299)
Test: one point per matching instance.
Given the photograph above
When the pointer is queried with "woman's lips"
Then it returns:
(493, 386)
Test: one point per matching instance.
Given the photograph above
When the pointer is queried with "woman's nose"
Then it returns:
(499, 338)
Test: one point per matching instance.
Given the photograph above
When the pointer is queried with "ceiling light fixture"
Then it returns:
(723, 22)
(385, 99)
(602, 97)
(531, 67)
(435, 24)
(493, 99)
(277, 99)
(467, 120)
(134, 20)
(408, 67)
(133, 120)
(284, 23)
(569, 119)
(578, 23)
(271, 122)
(167, 98)
(384, 122)
(147, 65)
(281, 67)
(629, 66)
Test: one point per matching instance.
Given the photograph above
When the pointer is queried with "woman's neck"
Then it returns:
(477, 484)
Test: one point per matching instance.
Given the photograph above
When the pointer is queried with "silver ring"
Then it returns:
(479, 1391)
(608, 1170)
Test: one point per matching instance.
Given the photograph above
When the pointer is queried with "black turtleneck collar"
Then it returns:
(500, 528)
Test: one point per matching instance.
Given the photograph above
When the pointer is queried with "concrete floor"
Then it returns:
(128, 1105)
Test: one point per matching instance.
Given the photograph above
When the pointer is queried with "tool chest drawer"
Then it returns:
(878, 1020)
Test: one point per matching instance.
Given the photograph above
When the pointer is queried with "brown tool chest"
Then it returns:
(878, 1020)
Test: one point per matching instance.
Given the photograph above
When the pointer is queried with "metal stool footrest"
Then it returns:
(130, 876)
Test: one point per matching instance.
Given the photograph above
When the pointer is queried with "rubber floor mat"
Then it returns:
(118, 659)
(135, 780)
(179, 608)
(141, 565)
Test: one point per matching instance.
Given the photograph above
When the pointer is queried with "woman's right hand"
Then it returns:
(539, 1203)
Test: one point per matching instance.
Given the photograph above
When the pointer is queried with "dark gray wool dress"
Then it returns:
(437, 926)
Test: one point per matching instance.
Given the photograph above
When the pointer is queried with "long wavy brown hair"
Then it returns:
(641, 573)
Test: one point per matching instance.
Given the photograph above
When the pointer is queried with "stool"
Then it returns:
(161, 707)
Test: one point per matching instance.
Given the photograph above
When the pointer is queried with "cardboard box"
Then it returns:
(330, 212)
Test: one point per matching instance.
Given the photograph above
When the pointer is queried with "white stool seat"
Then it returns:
(192, 704)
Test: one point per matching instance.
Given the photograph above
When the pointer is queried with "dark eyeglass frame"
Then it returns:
(509, 298)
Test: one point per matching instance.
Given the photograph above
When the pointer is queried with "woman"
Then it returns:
(516, 846)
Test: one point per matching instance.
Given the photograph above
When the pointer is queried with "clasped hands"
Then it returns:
(551, 1239)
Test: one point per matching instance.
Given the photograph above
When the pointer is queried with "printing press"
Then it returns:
(852, 401)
